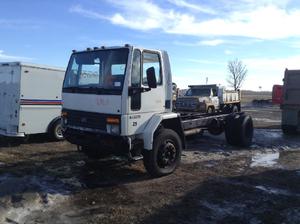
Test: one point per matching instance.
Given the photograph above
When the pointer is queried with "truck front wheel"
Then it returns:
(165, 156)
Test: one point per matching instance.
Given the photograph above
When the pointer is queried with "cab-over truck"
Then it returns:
(118, 100)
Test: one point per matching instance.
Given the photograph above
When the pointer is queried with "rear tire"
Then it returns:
(215, 127)
(165, 156)
(239, 130)
(235, 109)
(56, 131)
(210, 110)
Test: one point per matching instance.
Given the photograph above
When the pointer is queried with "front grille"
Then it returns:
(186, 104)
(87, 119)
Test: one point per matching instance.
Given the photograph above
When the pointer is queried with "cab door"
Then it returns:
(144, 104)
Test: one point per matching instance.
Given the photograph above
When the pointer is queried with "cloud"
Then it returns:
(4, 56)
(213, 43)
(201, 61)
(198, 7)
(19, 24)
(87, 13)
(268, 71)
(228, 52)
(263, 21)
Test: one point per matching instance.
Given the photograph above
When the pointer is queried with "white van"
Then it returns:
(30, 99)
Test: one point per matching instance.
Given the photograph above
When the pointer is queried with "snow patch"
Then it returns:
(266, 120)
(36, 194)
(277, 191)
(264, 159)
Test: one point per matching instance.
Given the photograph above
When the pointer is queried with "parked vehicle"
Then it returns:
(209, 99)
(118, 100)
(291, 102)
(277, 94)
(30, 100)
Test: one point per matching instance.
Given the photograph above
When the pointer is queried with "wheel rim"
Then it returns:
(58, 131)
(166, 156)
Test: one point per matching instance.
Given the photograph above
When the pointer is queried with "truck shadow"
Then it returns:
(64, 173)
(256, 198)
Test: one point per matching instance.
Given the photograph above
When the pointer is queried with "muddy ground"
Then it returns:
(50, 182)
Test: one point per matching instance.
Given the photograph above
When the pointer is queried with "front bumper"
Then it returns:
(115, 144)
(11, 134)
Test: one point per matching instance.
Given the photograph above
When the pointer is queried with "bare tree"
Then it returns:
(237, 73)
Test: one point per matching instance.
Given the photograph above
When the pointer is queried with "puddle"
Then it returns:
(266, 120)
(269, 133)
(277, 191)
(264, 159)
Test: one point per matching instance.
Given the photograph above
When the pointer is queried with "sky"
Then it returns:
(199, 36)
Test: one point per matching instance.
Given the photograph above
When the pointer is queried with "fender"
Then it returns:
(154, 123)
(52, 123)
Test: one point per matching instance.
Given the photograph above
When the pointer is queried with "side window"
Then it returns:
(136, 69)
(71, 80)
(151, 60)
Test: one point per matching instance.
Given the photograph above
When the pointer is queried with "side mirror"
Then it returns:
(151, 78)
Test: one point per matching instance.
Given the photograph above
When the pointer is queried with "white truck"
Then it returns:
(290, 106)
(30, 100)
(209, 99)
(118, 100)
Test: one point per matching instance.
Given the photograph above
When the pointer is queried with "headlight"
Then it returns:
(113, 129)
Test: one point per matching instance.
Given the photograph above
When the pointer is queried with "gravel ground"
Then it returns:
(50, 182)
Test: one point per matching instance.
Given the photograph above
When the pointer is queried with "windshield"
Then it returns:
(198, 92)
(99, 71)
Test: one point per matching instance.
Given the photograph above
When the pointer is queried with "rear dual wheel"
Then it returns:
(165, 156)
(239, 130)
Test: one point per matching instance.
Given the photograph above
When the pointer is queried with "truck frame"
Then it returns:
(132, 115)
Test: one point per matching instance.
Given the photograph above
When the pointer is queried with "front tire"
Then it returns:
(165, 156)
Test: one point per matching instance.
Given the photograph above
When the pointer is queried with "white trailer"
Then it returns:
(30, 99)
(291, 102)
